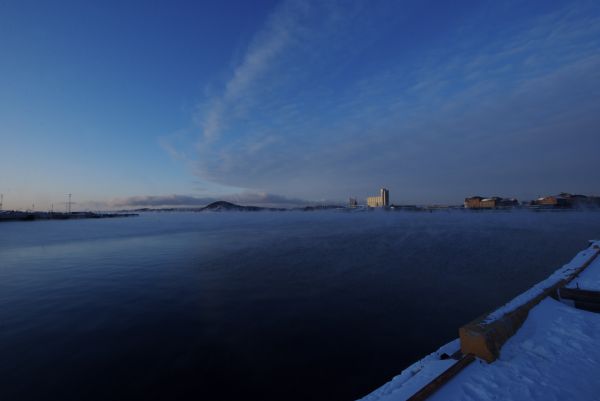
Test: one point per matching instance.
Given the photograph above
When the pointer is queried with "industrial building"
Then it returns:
(383, 200)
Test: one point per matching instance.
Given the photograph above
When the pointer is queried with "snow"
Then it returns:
(589, 279)
(554, 356)
(562, 273)
(416, 376)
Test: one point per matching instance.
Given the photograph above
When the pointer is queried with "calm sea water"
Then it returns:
(265, 306)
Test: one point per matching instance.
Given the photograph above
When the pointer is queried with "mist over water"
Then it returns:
(269, 306)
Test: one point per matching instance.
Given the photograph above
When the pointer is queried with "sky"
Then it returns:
(158, 103)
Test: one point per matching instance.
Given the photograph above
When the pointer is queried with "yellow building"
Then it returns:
(383, 200)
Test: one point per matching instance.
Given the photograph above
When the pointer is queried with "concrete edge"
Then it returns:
(484, 340)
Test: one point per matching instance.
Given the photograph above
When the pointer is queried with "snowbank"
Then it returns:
(554, 356)
(589, 279)
(417, 375)
(563, 273)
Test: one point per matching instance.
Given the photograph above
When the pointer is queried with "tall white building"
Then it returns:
(383, 200)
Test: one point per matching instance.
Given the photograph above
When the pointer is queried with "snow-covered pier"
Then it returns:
(542, 345)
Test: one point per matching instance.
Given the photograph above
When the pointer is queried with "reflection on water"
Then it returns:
(270, 306)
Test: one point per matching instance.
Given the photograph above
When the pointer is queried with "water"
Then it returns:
(267, 306)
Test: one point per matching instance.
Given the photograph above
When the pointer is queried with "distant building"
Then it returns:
(490, 203)
(383, 200)
(474, 202)
(352, 202)
(509, 202)
(553, 201)
(580, 200)
(567, 200)
(385, 197)
(479, 202)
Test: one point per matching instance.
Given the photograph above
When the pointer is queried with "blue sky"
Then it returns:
(158, 103)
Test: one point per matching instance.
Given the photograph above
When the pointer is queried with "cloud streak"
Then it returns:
(334, 100)
(268, 44)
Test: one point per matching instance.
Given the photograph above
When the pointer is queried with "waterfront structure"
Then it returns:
(565, 199)
(489, 203)
(552, 201)
(479, 202)
(353, 202)
(474, 202)
(383, 200)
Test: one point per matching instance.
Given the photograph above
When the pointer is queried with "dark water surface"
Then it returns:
(255, 306)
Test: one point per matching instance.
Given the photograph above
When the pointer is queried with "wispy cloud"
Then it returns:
(169, 144)
(326, 101)
(281, 29)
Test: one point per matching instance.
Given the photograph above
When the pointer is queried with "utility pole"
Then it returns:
(69, 204)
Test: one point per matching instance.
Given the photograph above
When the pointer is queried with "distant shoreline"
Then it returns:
(33, 216)
(222, 206)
